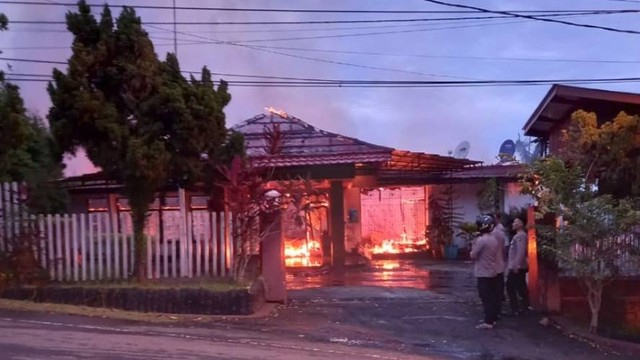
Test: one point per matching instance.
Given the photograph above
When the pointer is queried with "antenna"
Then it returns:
(462, 150)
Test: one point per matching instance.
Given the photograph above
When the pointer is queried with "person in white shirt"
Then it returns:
(518, 266)
(484, 251)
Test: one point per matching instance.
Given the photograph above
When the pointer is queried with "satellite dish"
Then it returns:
(507, 150)
(462, 150)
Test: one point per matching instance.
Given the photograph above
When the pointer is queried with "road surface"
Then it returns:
(36, 337)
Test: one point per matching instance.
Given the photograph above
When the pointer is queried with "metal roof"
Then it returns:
(562, 100)
(466, 174)
(303, 144)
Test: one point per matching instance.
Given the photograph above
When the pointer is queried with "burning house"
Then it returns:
(366, 200)
(351, 197)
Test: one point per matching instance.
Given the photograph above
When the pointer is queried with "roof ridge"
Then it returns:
(313, 128)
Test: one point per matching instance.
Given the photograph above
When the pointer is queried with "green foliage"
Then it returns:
(596, 234)
(445, 216)
(608, 151)
(137, 117)
(489, 197)
(468, 231)
(555, 184)
(27, 153)
(4, 22)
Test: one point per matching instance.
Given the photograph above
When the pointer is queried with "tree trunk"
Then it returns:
(594, 296)
(139, 220)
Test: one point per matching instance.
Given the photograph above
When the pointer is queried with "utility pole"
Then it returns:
(175, 30)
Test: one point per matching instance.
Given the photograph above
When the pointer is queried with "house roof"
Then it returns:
(506, 172)
(303, 144)
(562, 100)
(509, 172)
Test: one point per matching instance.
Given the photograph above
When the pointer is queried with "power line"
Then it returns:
(311, 22)
(427, 29)
(404, 84)
(372, 53)
(183, 71)
(455, 57)
(231, 43)
(538, 18)
(282, 10)
(34, 61)
(263, 30)
(317, 81)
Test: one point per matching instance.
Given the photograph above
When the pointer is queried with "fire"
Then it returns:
(280, 113)
(398, 246)
(302, 252)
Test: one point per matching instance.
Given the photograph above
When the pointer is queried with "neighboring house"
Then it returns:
(553, 114)
(620, 312)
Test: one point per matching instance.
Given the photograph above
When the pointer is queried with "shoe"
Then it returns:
(484, 326)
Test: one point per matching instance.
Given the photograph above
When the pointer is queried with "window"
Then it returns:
(123, 204)
(199, 202)
(171, 203)
(98, 205)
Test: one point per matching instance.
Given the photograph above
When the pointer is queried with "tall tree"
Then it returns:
(137, 117)
(609, 151)
(27, 152)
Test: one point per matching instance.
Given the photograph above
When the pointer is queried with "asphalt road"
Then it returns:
(60, 337)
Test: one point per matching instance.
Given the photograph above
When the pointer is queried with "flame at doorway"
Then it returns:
(402, 245)
(302, 253)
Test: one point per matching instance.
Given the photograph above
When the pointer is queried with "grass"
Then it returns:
(104, 313)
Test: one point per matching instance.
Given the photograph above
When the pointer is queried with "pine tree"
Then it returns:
(137, 117)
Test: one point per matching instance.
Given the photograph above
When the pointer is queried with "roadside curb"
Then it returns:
(149, 317)
(615, 344)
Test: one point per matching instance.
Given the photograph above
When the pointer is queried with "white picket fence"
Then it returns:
(99, 246)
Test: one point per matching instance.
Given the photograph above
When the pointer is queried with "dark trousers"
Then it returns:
(517, 290)
(488, 295)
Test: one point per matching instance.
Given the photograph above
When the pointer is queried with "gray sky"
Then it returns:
(433, 120)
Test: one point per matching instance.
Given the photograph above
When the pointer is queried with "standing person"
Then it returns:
(484, 251)
(518, 267)
(503, 241)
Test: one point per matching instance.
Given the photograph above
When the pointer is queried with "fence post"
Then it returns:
(83, 247)
(125, 247)
(222, 243)
(189, 244)
(100, 238)
(183, 232)
(58, 253)
(229, 244)
(42, 242)
(214, 243)
(3, 222)
(51, 263)
(74, 248)
(66, 221)
(207, 240)
(116, 247)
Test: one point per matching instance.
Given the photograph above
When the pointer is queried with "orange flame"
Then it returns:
(280, 113)
(302, 253)
(397, 246)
